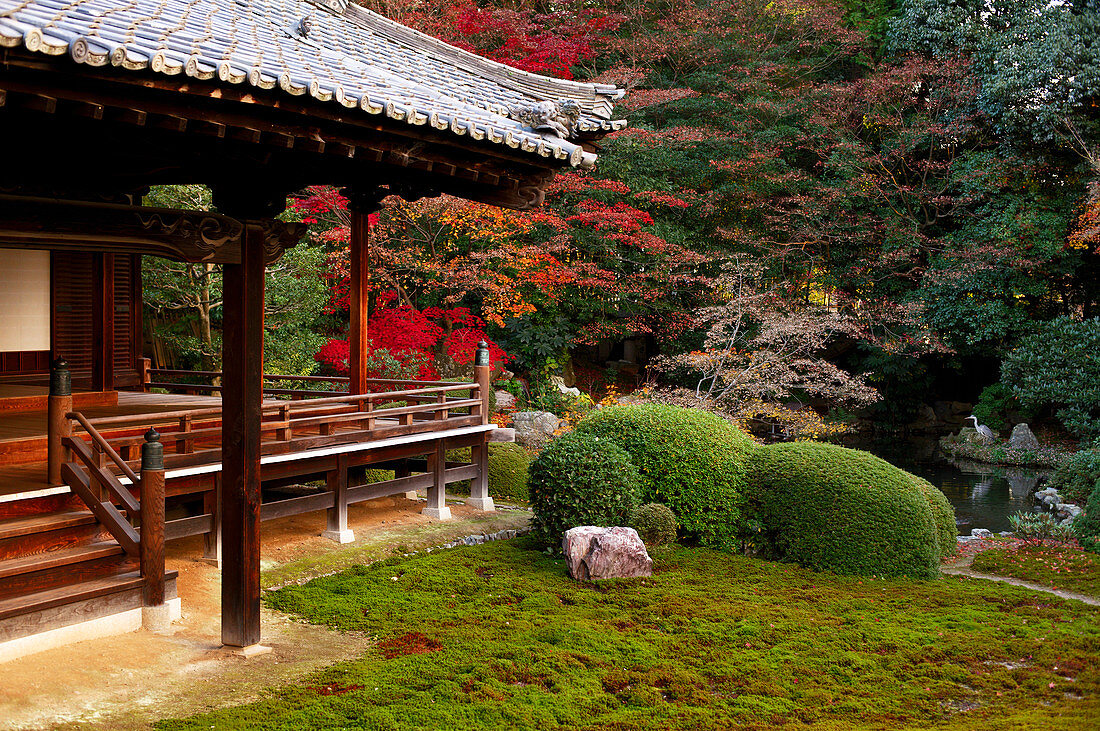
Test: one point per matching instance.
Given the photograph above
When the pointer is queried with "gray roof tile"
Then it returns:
(351, 57)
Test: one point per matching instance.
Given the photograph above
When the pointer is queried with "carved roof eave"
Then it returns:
(193, 236)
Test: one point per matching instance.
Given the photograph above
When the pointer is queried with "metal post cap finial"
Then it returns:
(482, 357)
(61, 379)
(152, 452)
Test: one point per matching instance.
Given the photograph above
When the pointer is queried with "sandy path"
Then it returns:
(129, 681)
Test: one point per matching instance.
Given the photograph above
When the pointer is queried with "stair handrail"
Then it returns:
(104, 446)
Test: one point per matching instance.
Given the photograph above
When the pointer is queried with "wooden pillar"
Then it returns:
(357, 300)
(155, 614)
(103, 323)
(479, 487)
(242, 397)
(437, 493)
(337, 484)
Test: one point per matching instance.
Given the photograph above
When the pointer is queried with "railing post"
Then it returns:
(482, 366)
(479, 487)
(155, 612)
(58, 425)
(145, 365)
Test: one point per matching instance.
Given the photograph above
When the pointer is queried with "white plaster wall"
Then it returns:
(24, 299)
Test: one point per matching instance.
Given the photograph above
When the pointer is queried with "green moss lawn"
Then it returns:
(1058, 565)
(497, 636)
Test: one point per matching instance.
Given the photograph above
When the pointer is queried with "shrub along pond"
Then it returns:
(982, 495)
(497, 636)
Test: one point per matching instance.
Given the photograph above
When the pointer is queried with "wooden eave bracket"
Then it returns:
(195, 236)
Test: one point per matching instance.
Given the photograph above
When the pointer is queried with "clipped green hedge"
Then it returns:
(690, 460)
(831, 508)
(580, 479)
(947, 530)
(655, 523)
(508, 466)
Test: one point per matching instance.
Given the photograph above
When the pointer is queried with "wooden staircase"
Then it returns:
(59, 570)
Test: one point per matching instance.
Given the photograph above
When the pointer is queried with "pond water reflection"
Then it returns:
(983, 495)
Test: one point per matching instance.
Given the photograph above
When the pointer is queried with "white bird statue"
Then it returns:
(982, 429)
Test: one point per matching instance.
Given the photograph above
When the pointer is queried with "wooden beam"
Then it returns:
(357, 300)
(242, 367)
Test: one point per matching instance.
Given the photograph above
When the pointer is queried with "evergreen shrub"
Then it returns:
(947, 530)
(1039, 527)
(580, 479)
(831, 508)
(655, 523)
(1077, 476)
(1087, 525)
(508, 466)
(692, 461)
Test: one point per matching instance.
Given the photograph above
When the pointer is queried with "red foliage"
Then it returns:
(542, 43)
(416, 338)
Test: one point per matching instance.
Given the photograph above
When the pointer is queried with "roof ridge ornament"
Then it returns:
(556, 119)
(304, 26)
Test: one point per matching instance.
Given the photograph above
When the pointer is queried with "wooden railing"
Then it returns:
(313, 421)
(101, 490)
(96, 457)
(163, 378)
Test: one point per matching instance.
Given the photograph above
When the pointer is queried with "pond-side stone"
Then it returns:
(1023, 438)
(594, 553)
(535, 428)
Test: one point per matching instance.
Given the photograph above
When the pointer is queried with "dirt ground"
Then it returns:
(129, 681)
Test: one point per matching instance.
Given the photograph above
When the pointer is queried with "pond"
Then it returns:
(983, 495)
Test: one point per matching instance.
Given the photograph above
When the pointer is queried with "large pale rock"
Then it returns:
(535, 428)
(1023, 438)
(605, 553)
(505, 400)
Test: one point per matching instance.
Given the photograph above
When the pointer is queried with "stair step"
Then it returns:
(27, 574)
(55, 559)
(27, 524)
(15, 606)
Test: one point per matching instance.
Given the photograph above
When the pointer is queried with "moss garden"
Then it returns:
(497, 636)
(839, 619)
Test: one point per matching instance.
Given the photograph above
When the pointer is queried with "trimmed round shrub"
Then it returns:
(947, 530)
(580, 479)
(655, 524)
(690, 460)
(831, 508)
(508, 466)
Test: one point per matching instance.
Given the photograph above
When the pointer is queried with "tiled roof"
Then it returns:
(332, 50)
